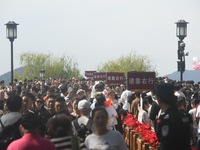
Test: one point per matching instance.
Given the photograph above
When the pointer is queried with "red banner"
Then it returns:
(140, 80)
(115, 78)
(110, 77)
(89, 74)
(99, 76)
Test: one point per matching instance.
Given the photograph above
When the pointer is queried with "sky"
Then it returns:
(95, 31)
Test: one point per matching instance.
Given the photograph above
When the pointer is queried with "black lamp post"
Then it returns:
(11, 33)
(42, 74)
(181, 33)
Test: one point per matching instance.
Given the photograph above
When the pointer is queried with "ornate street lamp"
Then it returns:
(181, 29)
(181, 33)
(11, 33)
(42, 74)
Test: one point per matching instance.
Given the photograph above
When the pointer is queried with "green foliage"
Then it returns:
(131, 62)
(18, 76)
(55, 67)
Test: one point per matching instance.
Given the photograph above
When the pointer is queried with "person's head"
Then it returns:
(124, 99)
(143, 94)
(39, 102)
(100, 99)
(42, 88)
(59, 126)
(50, 103)
(34, 90)
(196, 94)
(99, 118)
(84, 107)
(177, 86)
(137, 94)
(18, 89)
(154, 97)
(130, 98)
(111, 94)
(81, 94)
(188, 93)
(165, 94)
(145, 103)
(122, 87)
(195, 102)
(30, 122)
(28, 100)
(149, 99)
(75, 102)
(60, 104)
(181, 103)
(14, 103)
(2, 84)
(1, 94)
(71, 92)
(63, 89)
(117, 90)
(50, 92)
(99, 87)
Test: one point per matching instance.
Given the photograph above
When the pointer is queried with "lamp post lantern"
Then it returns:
(11, 33)
(42, 74)
(181, 33)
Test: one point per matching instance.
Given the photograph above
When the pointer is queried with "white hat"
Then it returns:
(83, 104)
(79, 91)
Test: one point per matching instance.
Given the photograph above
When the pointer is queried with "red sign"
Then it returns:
(99, 76)
(115, 77)
(140, 80)
(89, 74)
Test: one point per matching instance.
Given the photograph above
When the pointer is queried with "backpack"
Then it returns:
(9, 134)
(82, 130)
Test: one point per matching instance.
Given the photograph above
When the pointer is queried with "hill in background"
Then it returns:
(7, 76)
(187, 75)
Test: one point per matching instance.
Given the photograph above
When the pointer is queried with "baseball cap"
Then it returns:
(83, 104)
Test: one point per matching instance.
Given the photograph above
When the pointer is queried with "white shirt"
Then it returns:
(124, 99)
(112, 140)
(192, 112)
(143, 116)
(112, 115)
(198, 116)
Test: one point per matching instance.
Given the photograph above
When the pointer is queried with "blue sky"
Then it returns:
(95, 31)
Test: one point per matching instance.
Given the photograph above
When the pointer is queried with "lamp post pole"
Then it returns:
(181, 33)
(11, 33)
(182, 61)
(11, 45)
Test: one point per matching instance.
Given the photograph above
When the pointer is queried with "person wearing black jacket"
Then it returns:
(173, 126)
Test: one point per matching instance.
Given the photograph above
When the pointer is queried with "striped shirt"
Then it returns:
(65, 143)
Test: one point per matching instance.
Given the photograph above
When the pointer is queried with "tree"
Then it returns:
(131, 62)
(18, 75)
(54, 66)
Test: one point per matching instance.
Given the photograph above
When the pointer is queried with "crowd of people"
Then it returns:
(85, 114)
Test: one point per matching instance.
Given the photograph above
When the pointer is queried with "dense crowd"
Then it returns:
(86, 114)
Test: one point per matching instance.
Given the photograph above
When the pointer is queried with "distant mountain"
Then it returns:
(187, 75)
(7, 76)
